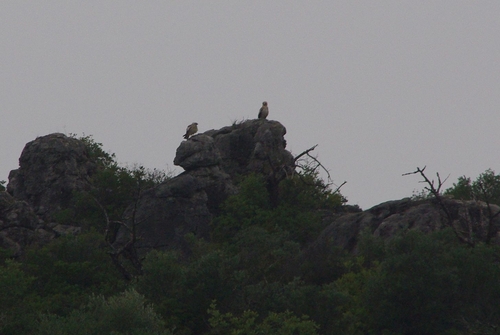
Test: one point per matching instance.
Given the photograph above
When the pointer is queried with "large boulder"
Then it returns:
(472, 221)
(187, 202)
(256, 146)
(51, 169)
(199, 151)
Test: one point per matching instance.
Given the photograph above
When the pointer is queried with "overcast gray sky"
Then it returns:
(381, 86)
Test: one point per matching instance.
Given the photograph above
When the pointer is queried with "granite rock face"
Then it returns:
(54, 167)
(256, 146)
(187, 202)
(51, 168)
(472, 222)
(19, 225)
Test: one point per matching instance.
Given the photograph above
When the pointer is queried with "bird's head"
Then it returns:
(264, 103)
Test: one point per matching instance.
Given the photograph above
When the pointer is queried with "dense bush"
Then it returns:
(125, 313)
(115, 187)
(424, 284)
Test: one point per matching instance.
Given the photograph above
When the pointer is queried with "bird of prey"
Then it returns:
(191, 129)
(264, 111)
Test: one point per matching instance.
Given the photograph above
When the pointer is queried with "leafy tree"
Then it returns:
(183, 291)
(479, 289)
(486, 188)
(423, 284)
(285, 323)
(296, 214)
(126, 313)
(416, 290)
(54, 278)
(320, 302)
(14, 287)
(114, 188)
(68, 269)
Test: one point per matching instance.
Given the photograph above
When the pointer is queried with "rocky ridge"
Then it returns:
(55, 166)
(212, 160)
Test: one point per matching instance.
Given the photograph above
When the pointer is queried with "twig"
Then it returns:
(436, 192)
(304, 153)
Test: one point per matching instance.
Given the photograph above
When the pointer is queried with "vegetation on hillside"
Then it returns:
(251, 277)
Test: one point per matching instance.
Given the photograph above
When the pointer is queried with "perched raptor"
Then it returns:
(191, 129)
(264, 111)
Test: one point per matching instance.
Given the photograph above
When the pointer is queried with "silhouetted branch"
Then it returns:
(128, 250)
(436, 192)
(337, 190)
(304, 153)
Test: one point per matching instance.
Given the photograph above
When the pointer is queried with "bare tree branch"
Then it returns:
(128, 250)
(337, 190)
(307, 153)
(304, 153)
(436, 192)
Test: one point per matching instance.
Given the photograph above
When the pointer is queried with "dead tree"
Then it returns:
(127, 250)
(318, 165)
(122, 236)
(436, 193)
(466, 218)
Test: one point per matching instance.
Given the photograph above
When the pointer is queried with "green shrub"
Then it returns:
(248, 323)
(486, 187)
(126, 313)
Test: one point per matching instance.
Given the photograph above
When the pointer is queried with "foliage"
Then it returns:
(55, 278)
(2, 185)
(261, 266)
(14, 283)
(183, 291)
(114, 188)
(72, 264)
(297, 213)
(424, 284)
(285, 323)
(306, 188)
(254, 262)
(486, 188)
(125, 313)
(15, 291)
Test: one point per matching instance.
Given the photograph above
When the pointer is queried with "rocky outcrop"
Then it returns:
(187, 202)
(472, 221)
(51, 168)
(19, 225)
(54, 167)
(253, 146)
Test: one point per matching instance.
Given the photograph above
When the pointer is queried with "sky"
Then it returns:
(382, 87)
